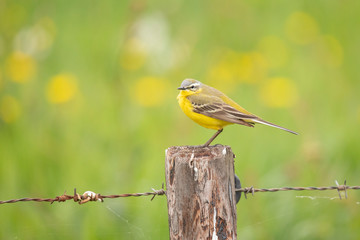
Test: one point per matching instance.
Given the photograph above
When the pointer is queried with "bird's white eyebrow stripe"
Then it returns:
(194, 84)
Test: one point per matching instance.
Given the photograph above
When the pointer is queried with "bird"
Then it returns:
(212, 109)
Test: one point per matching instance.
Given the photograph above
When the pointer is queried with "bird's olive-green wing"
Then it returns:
(212, 105)
(220, 110)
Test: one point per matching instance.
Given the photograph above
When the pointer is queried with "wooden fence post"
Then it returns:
(200, 192)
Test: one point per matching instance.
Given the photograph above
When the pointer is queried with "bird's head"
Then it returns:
(190, 86)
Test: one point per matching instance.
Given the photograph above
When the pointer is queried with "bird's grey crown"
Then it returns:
(188, 82)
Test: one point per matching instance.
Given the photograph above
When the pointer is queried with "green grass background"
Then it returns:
(107, 123)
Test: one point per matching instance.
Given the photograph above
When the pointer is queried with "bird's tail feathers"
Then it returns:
(258, 120)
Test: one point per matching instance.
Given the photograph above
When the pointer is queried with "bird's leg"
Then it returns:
(212, 138)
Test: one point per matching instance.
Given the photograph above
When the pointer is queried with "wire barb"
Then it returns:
(247, 190)
(341, 188)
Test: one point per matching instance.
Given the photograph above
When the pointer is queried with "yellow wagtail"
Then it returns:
(212, 109)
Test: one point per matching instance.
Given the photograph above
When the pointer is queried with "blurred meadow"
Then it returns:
(88, 100)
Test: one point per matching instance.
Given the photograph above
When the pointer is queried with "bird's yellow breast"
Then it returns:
(200, 119)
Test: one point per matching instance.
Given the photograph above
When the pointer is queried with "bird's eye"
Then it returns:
(192, 87)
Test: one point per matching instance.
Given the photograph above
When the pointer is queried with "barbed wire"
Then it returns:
(86, 197)
(89, 196)
(338, 187)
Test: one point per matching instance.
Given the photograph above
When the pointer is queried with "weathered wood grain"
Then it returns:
(201, 192)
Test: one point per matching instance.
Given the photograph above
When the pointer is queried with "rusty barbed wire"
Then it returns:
(90, 196)
(338, 187)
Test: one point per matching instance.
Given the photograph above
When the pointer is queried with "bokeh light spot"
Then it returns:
(301, 28)
(224, 69)
(252, 67)
(20, 67)
(150, 91)
(330, 51)
(61, 88)
(37, 39)
(235, 67)
(134, 55)
(279, 92)
(274, 50)
(10, 109)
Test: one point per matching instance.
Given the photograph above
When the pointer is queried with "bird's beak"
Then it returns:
(181, 88)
